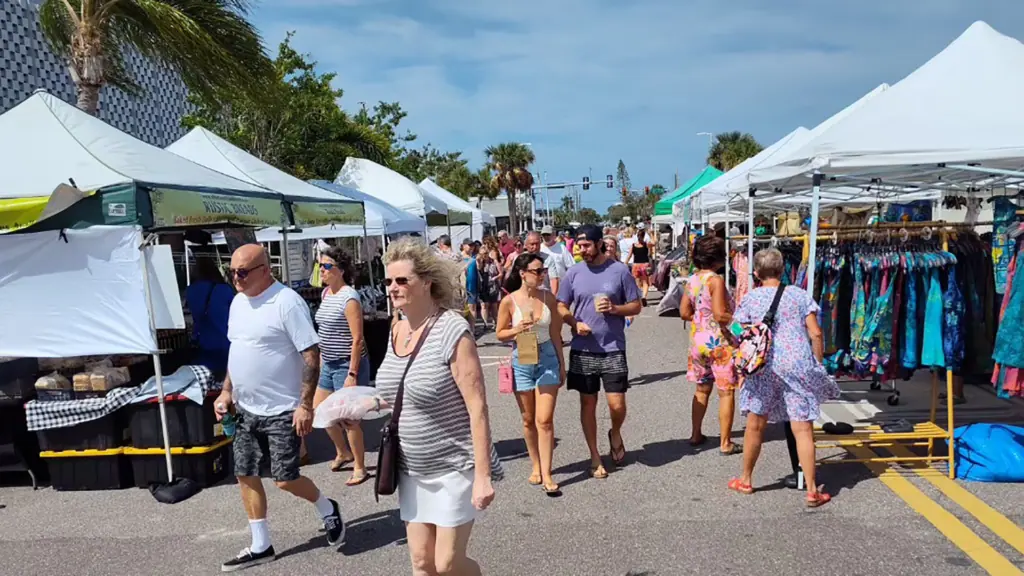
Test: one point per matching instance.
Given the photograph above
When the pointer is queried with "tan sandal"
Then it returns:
(339, 463)
(598, 472)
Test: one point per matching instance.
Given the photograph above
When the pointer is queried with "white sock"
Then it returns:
(324, 506)
(260, 536)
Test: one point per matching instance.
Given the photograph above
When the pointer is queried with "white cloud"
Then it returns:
(590, 81)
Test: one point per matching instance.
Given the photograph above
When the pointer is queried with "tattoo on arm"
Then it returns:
(310, 374)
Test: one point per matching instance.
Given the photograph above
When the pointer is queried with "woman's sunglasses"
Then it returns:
(537, 271)
(327, 266)
(243, 273)
(399, 280)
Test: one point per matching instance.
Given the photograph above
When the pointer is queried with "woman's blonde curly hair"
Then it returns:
(446, 287)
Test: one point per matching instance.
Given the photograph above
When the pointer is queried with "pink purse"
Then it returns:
(506, 381)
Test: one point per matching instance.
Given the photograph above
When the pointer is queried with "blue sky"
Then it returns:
(588, 82)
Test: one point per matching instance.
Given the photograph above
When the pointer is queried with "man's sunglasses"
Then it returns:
(399, 280)
(243, 273)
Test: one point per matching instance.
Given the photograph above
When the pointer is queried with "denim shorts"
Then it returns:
(334, 372)
(545, 372)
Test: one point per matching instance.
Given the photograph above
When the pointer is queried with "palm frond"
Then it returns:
(57, 26)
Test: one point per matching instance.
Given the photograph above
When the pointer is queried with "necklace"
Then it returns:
(412, 331)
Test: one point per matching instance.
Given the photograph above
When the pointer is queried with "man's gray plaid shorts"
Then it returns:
(267, 444)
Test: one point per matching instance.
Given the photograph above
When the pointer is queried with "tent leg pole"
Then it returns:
(158, 371)
(727, 267)
(366, 248)
(285, 272)
(384, 246)
(813, 239)
(188, 270)
(750, 240)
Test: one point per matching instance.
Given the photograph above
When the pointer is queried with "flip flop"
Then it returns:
(598, 472)
(552, 492)
(737, 486)
(734, 449)
(818, 499)
(535, 480)
(355, 480)
(612, 451)
(339, 463)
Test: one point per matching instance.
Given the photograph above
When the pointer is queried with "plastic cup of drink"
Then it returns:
(598, 298)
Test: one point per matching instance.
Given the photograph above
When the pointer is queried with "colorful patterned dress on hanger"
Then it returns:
(1008, 376)
(952, 328)
(911, 339)
(741, 266)
(932, 354)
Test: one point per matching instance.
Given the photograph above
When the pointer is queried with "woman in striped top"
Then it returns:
(446, 455)
(343, 352)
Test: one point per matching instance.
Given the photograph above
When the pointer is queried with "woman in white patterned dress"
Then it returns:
(446, 457)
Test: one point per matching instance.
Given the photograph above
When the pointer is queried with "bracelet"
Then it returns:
(353, 374)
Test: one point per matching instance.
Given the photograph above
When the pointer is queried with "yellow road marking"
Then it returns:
(944, 521)
(993, 520)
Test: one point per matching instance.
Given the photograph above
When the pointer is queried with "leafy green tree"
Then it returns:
(294, 123)
(732, 148)
(588, 216)
(509, 163)
(622, 177)
(617, 214)
(209, 43)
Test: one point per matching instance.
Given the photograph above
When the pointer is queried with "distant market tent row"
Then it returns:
(664, 206)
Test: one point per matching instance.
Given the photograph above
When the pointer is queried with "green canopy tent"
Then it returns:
(664, 206)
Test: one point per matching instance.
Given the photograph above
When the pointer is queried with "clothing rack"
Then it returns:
(924, 434)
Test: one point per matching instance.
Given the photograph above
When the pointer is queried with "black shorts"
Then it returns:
(589, 370)
(265, 444)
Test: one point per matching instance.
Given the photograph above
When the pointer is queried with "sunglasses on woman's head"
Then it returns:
(399, 280)
(243, 273)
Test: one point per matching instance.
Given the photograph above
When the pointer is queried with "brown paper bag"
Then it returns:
(528, 348)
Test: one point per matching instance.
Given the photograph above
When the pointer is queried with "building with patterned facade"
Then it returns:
(26, 65)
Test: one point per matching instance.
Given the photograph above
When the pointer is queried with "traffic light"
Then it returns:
(586, 182)
(609, 181)
(647, 189)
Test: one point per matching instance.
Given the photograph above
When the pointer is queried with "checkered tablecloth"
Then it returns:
(49, 415)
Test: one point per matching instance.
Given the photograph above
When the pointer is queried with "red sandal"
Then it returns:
(817, 499)
(737, 485)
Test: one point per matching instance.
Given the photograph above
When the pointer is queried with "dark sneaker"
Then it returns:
(791, 481)
(246, 559)
(335, 527)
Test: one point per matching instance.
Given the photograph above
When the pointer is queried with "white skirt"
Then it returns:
(444, 500)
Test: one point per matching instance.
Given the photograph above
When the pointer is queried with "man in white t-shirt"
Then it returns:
(273, 371)
(558, 252)
(534, 245)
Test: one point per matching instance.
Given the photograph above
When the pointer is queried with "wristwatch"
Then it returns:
(353, 374)
(376, 401)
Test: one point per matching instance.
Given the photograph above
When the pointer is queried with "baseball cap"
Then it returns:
(641, 226)
(547, 230)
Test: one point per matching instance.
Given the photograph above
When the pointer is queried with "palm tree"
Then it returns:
(209, 43)
(731, 148)
(510, 163)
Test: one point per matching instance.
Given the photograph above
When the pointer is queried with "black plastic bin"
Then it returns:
(188, 424)
(205, 465)
(88, 469)
(103, 433)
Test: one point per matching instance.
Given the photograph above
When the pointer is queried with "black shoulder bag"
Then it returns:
(386, 481)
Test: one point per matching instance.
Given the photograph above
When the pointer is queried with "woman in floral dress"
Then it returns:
(707, 305)
(793, 383)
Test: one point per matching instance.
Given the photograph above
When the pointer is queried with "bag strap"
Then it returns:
(769, 318)
(396, 410)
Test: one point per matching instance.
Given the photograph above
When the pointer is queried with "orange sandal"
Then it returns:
(818, 499)
(737, 485)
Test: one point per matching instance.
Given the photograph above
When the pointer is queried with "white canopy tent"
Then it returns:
(480, 218)
(924, 127)
(390, 186)
(924, 132)
(44, 141)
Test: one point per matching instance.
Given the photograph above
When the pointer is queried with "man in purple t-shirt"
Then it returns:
(594, 299)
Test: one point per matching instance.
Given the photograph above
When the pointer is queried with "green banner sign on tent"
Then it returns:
(175, 208)
(324, 213)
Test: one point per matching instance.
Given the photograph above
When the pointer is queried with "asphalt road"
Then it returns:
(667, 512)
